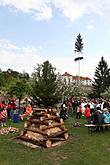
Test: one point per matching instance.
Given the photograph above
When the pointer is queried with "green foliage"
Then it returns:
(45, 85)
(101, 77)
(14, 83)
(2, 80)
(73, 90)
(18, 88)
(106, 94)
(78, 44)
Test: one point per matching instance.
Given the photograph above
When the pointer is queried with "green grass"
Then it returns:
(81, 148)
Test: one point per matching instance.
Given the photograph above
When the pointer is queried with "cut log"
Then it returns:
(37, 121)
(44, 127)
(40, 114)
(56, 139)
(63, 127)
(52, 117)
(58, 133)
(37, 131)
(53, 112)
(58, 119)
(48, 144)
(53, 130)
(27, 139)
(66, 135)
(35, 136)
(56, 144)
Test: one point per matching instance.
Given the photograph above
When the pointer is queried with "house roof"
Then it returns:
(76, 77)
(67, 74)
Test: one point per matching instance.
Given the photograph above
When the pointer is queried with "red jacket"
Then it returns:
(87, 112)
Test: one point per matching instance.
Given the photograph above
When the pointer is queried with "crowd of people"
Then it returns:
(9, 108)
(96, 111)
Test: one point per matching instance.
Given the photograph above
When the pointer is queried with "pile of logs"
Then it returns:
(45, 128)
(8, 130)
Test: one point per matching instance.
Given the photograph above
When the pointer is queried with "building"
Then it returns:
(86, 82)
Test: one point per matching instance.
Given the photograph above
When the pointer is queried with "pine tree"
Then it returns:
(101, 77)
(45, 87)
(78, 49)
(78, 44)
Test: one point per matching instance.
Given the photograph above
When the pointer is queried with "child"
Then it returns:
(63, 112)
(106, 116)
(87, 113)
(29, 110)
(79, 112)
(3, 116)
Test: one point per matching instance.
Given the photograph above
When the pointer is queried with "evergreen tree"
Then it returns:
(78, 44)
(45, 86)
(106, 94)
(101, 77)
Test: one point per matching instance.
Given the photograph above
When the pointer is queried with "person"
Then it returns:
(63, 112)
(24, 107)
(98, 119)
(106, 116)
(12, 107)
(87, 113)
(3, 116)
(83, 103)
(79, 111)
(8, 110)
(70, 109)
(21, 114)
(29, 110)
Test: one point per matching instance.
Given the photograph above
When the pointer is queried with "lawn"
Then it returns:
(81, 148)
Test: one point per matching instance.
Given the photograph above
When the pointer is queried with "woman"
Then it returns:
(87, 113)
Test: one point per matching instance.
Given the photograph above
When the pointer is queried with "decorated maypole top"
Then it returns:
(78, 50)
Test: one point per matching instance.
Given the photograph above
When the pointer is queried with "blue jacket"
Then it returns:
(106, 117)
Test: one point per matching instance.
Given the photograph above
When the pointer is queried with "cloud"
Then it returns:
(72, 9)
(18, 58)
(25, 58)
(39, 9)
(22, 58)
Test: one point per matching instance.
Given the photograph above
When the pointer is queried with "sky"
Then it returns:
(33, 31)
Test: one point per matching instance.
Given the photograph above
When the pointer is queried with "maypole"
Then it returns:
(78, 50)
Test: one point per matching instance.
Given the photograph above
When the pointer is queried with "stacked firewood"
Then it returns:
(8, 130)
(45, 128)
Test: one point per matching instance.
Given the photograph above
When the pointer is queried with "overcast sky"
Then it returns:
(33, 31)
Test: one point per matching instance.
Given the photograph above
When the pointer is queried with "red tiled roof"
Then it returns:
(76, 77)
(67, 74)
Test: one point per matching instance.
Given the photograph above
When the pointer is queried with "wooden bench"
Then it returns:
(92, 127)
